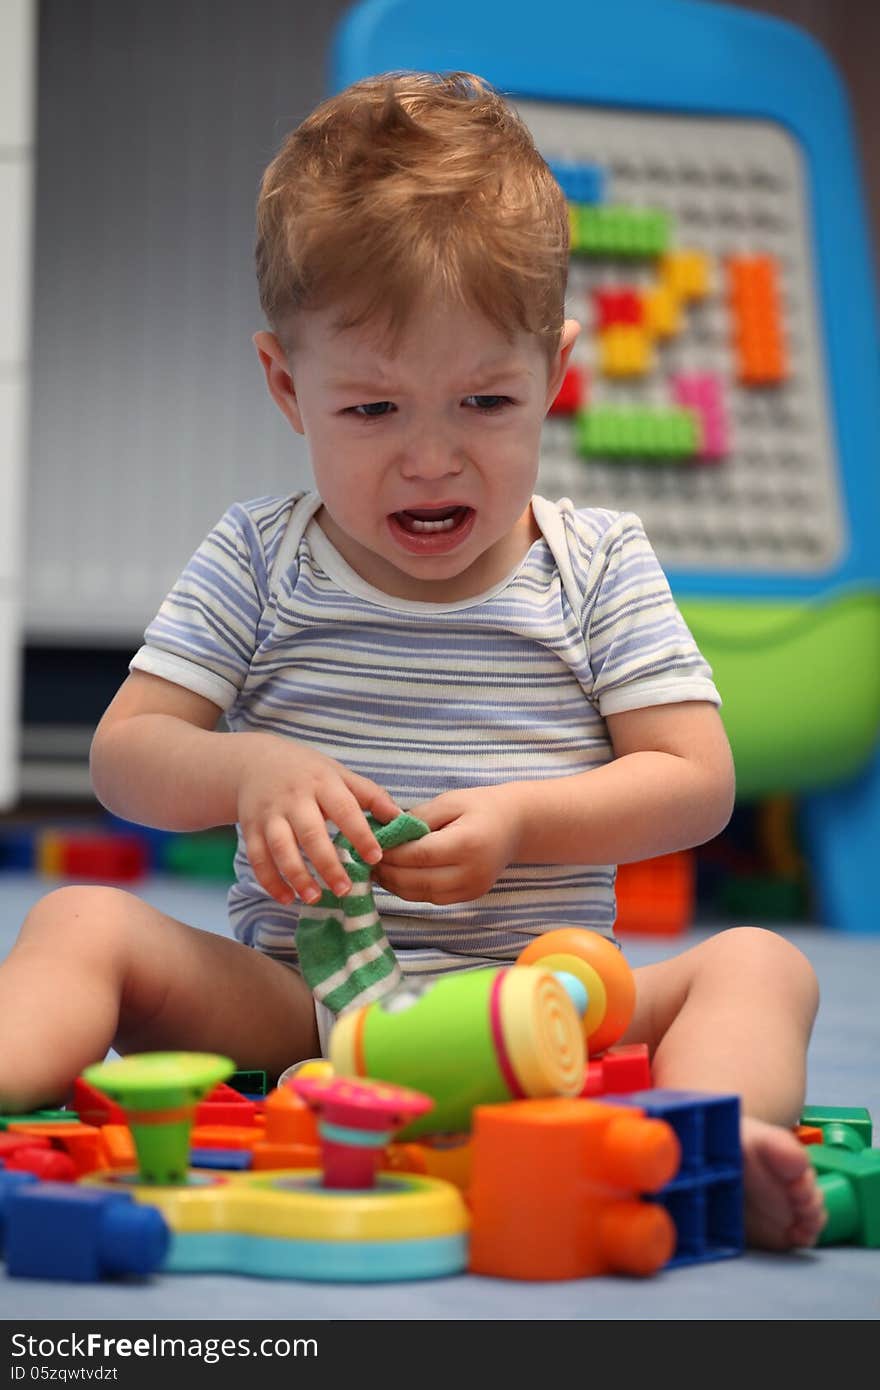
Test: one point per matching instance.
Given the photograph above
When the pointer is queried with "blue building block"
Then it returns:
(581, 183)
(17, 848)
(64, 1231)
(10, 1182)
(705, 1198)
(224, 1159)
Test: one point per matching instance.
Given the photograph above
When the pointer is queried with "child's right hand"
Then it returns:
(286, 794)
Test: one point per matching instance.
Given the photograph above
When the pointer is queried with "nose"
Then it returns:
(431, 454)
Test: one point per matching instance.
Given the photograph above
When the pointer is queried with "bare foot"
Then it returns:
(784, 1206)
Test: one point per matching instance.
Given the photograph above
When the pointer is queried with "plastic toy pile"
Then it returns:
(489, 1122)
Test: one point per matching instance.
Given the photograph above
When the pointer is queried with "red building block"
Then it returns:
(226, 1106)
(572, 394)
(103, 858)
(618, 305)
(623, 1068)
(93, 1107)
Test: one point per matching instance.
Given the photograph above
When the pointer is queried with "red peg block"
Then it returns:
(614, 306)
(48, 1164)
(572, 394)
(623, 1068)
(106, 858)
(93, 1107)
(226, 1106)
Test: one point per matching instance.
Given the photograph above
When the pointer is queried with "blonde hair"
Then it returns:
(406, 186)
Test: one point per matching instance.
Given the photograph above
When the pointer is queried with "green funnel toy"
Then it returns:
(159, 1092)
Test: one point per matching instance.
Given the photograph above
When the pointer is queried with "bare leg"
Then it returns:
(735, 1014)
(95, 968)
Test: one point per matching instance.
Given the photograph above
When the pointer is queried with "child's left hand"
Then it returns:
(473, 838)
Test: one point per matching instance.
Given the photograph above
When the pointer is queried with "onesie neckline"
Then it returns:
(340, 571)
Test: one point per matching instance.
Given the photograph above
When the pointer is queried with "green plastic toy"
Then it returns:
(159, 1092)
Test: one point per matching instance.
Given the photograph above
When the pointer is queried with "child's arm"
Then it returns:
(669, 786)
(158, 759)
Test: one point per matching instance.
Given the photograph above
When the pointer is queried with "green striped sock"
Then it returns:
(344, 954)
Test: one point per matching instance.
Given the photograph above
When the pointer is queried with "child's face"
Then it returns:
(425, 460)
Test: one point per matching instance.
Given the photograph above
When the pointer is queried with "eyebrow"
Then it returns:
(489, 371)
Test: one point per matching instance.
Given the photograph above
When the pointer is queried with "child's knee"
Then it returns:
(79, 917)
(757, 950)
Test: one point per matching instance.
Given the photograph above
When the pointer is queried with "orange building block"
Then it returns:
(809, 1134)
(555, 1190)
(656, 897)
(289, 1138)
(119, 1146)
(224, 1136)
(757, 332)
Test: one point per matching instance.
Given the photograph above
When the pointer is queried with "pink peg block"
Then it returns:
(702, 392)
(356, 1119)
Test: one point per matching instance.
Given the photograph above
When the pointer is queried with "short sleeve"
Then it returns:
(640, 648)
(206, 631)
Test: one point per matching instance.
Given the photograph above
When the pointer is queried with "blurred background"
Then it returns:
(133, 134)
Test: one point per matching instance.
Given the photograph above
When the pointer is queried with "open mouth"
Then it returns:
(432, 530)
(419, 521)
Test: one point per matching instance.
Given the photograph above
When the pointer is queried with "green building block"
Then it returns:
(250, 1083)
(641, 432)
(850, 1186)
(603, 230)
(200, 856)
(842, 1126)
(762, 896)
(40, 1117)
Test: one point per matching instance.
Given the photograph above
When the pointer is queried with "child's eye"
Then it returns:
(488, 404)
(371, 410)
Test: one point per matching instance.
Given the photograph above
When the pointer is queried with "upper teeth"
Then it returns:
(445, 525)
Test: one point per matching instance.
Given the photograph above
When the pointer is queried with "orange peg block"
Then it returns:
(290, 1135)
(450, 1157)
(119, 1146)
(757, 333)
(224, 1136)
(657, 897)
(809, 1134)
(555, 1190)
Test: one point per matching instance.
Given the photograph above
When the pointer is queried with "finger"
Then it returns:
(433, 851)
(265, 870)
(440, 886)
(341, 806)
(314, 842)
(371, 797)
(438, 812)
(287, 860)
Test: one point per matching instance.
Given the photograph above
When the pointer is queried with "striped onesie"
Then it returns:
(270, 623)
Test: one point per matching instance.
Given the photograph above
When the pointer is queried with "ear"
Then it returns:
(273, 360)
(570, 330)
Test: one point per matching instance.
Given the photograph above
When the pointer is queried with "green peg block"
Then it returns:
(848, 1124)
(850, 1186)
(40, 1117)
(159, 1092)
(249, 1083)
(208, 856)
(603, 230)
(639, 432)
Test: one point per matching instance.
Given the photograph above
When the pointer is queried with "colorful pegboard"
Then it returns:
(726, 386)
